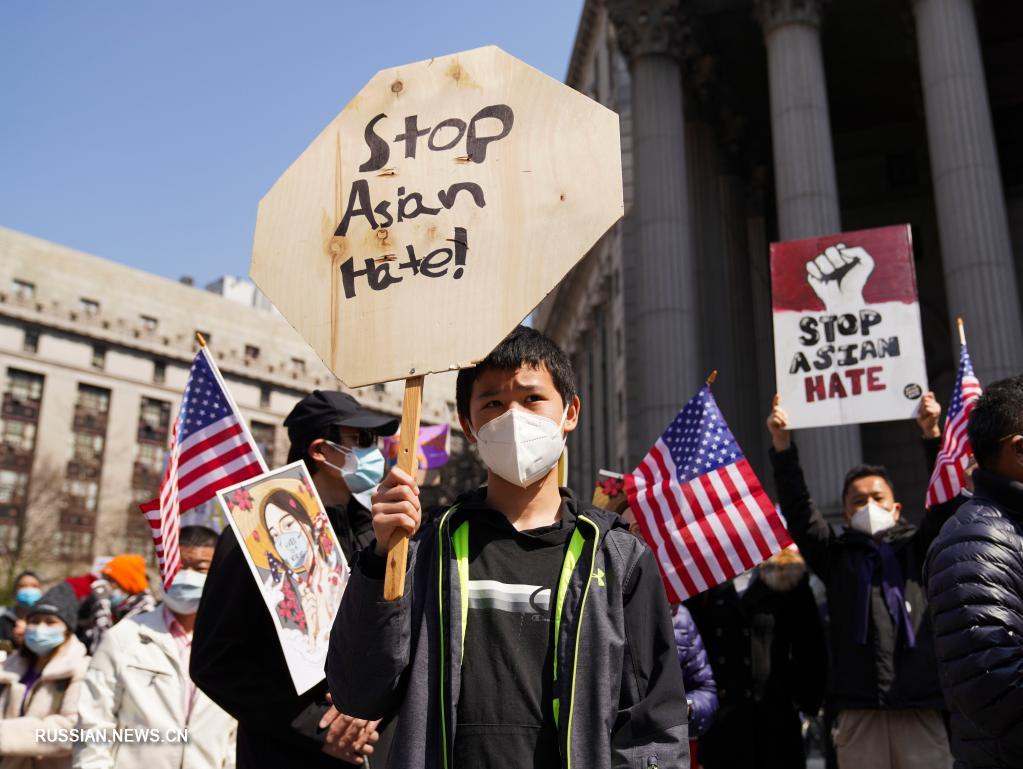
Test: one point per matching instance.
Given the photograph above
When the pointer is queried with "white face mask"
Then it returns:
(872, 519)
(182, 597)
(521, 446)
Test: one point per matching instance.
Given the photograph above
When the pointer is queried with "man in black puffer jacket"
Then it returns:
(974, 576)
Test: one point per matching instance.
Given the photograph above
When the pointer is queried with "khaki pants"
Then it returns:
(891, 739)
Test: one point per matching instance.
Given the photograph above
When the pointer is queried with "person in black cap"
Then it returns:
(39, 684)
(236, 656)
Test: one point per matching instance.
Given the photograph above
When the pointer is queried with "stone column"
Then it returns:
(980, 278)
(806, 191)
(760, 285)
(661, 312)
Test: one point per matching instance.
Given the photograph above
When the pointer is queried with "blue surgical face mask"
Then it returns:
(363, 468)
(43, 639)
(27, 596)
(293, 547)
(117, 597)
(182, 597)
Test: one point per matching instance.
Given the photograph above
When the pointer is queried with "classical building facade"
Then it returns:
(751, 121)
(93, 361)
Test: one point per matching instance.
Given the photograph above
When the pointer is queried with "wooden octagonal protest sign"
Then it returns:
(435, 212)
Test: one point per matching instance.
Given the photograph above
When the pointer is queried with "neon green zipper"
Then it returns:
(443, 651)
(460, 545)
(578, 636)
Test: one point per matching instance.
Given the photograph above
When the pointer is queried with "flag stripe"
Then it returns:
(710, 546)
(775, 533)
(725, 527)
(671, 559)
(679, 508)
(241, 453)
(667, 565)
(200, 452)
(749, 524)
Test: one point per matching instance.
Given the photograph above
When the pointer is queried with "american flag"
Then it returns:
(699, 504)
(211, 448)
(948, 476)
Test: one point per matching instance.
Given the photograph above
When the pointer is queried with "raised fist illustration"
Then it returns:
(839, 274)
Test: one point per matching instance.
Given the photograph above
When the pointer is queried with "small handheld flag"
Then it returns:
(699, 505)
(211, 448)
(950, 466)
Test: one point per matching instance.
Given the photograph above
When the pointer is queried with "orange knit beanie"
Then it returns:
(128, 571)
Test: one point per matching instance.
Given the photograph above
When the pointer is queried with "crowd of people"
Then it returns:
(534, 630)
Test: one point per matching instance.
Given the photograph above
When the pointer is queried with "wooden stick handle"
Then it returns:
(962, 331)
(712, 378)
(397, 548)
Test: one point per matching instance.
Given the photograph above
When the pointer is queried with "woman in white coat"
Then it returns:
(137, 693)
(39, 686)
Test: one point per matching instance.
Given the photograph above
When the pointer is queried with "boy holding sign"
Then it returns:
(533, 630)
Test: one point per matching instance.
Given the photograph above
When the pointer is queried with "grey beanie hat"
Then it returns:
(59, 601)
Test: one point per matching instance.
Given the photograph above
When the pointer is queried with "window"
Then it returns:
(150, 456)
(94, 399)
(73, 542)
(149, 323)
(263, 435)
(298, 365)
(264, 397)
(88, 306)
(154, 416)
(99, 356)
(380, 387)
(159, 372)
(251, 352)
(23, 289)
(18, 435)
(86, 447)
(13, 486)
(24, 386)
(31, 342)
(83, 495)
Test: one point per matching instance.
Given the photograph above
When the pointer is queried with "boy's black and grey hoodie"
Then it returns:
(619, 700)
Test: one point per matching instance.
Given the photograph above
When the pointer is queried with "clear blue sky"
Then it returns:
(146, 132)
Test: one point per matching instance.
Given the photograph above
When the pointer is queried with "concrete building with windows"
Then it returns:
(93, 361)
(751, 121)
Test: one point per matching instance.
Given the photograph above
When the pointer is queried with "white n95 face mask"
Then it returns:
(872, 519)
(520, 446)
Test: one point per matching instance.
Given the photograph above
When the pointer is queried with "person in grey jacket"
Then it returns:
(974, 579)
(533, 630)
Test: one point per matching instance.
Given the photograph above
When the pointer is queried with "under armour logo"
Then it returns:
(599, 576)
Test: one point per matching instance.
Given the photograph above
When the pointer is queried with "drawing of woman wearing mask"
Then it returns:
(308, 572)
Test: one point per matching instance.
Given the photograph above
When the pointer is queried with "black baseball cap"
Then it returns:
(324, 408)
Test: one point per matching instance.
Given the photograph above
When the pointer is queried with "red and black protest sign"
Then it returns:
(847, 340)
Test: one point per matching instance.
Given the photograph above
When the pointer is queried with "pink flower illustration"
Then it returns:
(241, 500)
